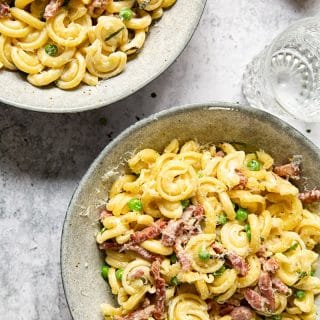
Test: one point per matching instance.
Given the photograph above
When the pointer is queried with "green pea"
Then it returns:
(276, 317)
(222, 219)
(254, 165)
(204, 255)
(105, 272)
(300, 294)
(248, 231)
(119, 273)
(219, 272)
(242, 214)
(185, 203)
(126, 14)
(51, 50)
(313, 272)
(135, 204)
(174, 281)
(173, 258)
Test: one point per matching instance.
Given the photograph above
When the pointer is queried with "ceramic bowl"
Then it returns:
(80, 258)
(162, 47)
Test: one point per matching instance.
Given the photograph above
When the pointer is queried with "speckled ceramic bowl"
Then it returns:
(80, 258)
(165, 42)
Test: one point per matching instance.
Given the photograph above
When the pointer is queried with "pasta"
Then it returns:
(67, 42)
(207, 233)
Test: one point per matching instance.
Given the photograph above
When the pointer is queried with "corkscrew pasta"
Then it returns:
(207, 233)
(69, 42)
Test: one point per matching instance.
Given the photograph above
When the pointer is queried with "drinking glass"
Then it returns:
(285, 77)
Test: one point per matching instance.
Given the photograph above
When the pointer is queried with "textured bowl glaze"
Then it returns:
(166, 40)
(80, 258)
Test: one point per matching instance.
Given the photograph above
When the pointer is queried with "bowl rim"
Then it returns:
(120, 97)
(214, 105)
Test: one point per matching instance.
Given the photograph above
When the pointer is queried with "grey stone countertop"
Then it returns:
(43, 156)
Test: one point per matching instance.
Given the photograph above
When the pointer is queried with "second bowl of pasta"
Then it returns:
(199, 212)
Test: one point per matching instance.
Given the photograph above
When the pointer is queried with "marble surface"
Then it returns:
(43, 156)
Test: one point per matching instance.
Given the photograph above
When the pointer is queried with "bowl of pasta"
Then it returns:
(76, 55)
(200, 212)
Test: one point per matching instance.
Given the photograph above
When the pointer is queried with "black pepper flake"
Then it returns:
(137, 118)
(308, 130)
(153, 95)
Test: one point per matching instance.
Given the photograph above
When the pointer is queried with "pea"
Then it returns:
(219, 272)
(135, 204)
(204, 255)
(105, 272)
(174, 281)
(222, 219)
(254, 165)
(185, 203)
(51, 50)
(173, 258)
(119, 273)
(276, 317)
(242, 214)
(126, 14)
(313, 272)
(248, 231)
(300, 294)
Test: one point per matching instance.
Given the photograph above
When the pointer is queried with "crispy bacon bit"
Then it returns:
(243, 180)
(137, 274)
(218, 248)
(255, 300)
(290, 170)
(310, 196)
(109, 245)
(169, 234)
(238, 263)
(4, 10)
(150, 232)
(145, 254)
(160, 284)
(140, 314)
(182, 255)
(177, 233)
(220, 154)
(269, 265)
(261, 253)
(241, 313)
(281, 287)
(265, 286)
(226, 309)
(97, 7)
(52, 8)
(104, 214)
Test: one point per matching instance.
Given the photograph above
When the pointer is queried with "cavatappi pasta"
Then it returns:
(209, 232)
(74, 41)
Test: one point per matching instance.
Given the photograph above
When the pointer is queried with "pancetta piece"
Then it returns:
(281, 287)
(265, 287)
(310, 196)
(238, 263)
(148, 233)
(52, 8)
(269, 265)
(4, 9)
(160, 284)
(140, 314)
(97, 7)
(255, 300)
(241, 313)
(290, 170)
